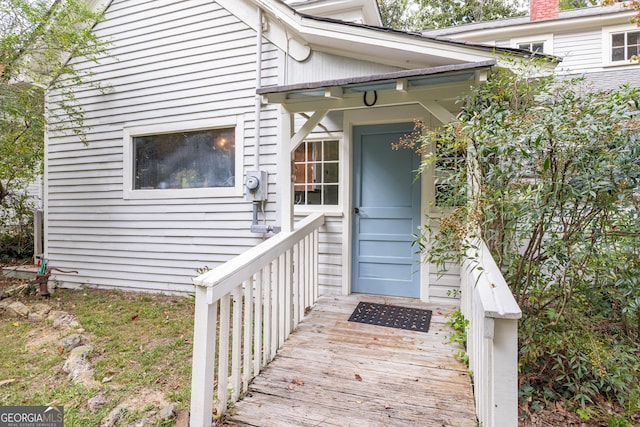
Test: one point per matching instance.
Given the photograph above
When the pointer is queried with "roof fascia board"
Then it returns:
(316, 31)
(544, 26)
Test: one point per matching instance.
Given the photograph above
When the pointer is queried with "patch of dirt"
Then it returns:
(144, 398)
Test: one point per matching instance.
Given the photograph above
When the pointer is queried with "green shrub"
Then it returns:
(555, 194)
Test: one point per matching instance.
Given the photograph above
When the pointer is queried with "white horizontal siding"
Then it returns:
(171, 61)
(330, 254)
(581, 51)
(324, 66)
(444, 287)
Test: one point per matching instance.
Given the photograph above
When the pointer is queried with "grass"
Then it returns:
(141, 349)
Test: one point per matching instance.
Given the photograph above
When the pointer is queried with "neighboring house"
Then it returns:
(595, 42)
(159, 190)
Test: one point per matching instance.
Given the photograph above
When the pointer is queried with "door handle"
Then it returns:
(356, 211)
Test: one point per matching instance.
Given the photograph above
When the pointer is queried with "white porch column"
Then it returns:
(285, 171)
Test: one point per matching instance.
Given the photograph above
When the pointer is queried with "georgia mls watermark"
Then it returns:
(31, 416)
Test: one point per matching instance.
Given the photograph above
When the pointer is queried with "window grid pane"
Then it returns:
(316, 173)
(625, 46)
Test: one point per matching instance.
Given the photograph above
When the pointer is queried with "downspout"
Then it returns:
(258, 194)
(258, 106)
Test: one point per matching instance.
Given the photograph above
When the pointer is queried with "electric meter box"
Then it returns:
(255, 186)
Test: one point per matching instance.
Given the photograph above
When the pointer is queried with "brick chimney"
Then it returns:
(543, 9)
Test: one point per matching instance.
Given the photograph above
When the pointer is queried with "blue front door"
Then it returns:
(386, 212)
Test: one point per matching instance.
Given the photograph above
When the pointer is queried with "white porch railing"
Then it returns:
(260, 297)
(492, 338)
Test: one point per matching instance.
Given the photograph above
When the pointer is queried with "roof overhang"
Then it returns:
(427, 86)
(591, 17)
(298, 35)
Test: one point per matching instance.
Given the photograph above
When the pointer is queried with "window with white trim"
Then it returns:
(535, 47)
(316, 166)
(625, 45)
(198, 158)
(540, 43)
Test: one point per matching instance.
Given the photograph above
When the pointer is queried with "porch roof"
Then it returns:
(399, 80)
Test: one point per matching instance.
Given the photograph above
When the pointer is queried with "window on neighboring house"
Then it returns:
(316, 173)
(535, 47)
(625, 45)
(195, 159)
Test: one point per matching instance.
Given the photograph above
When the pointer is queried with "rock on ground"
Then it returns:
(79, 367)
(71, 341)
(96, 401)
(39, 312)
(17, 308)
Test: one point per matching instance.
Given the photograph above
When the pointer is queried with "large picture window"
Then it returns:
(316, 165)
(198, 159)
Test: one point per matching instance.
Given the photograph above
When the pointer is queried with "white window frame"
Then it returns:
(129, 132)
(545, 39)
(332, 136)
(606, 44)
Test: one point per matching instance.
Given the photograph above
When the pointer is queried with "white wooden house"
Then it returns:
(595, 42)
(159, 190)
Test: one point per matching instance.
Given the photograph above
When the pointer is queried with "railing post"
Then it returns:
(202, 376)
(505, 365)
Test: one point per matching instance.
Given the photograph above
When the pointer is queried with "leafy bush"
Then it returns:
(16, 225)
(553, 187)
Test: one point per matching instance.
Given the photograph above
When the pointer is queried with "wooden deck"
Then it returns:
(331, 372)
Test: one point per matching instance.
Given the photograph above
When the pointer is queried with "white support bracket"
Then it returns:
(306, 128)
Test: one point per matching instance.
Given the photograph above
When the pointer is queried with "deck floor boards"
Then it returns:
(332, 372)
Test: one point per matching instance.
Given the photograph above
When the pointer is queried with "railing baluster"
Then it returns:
(223, 354)
(269, 314)
(314, 264)
(302, 298)
(258, 350)
(235, 343)
(247, 331)
(288, 280)
(282, 298)
(295, 285)
(308, 270)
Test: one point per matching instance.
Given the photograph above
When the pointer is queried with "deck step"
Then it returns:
(21, 272)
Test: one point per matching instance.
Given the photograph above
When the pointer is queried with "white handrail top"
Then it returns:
(224, 278)
(496, 296)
